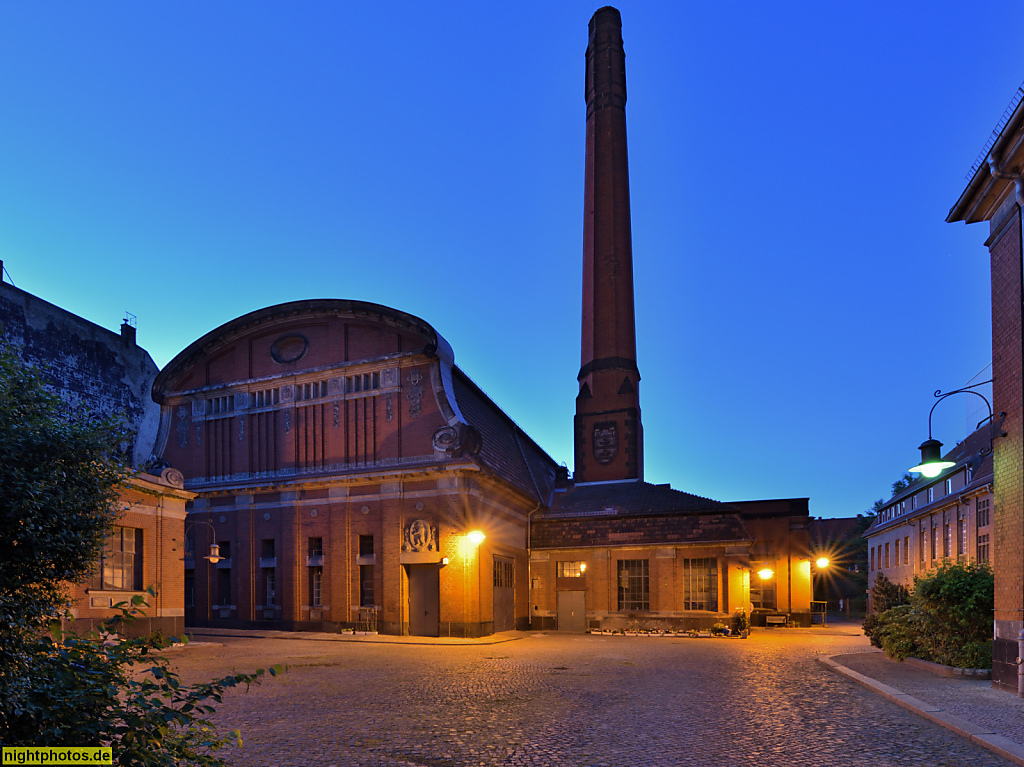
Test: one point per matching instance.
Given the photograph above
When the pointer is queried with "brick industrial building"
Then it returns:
(343, 459)
(995, 194)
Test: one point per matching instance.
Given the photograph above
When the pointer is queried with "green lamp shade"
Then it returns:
(931, 464)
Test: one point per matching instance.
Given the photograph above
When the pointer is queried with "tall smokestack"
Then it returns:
(608, 432)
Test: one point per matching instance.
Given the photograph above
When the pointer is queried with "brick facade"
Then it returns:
(995, 194)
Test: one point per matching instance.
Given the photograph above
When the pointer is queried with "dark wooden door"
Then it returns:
(572, 611)
(504, 594)
(424, 600)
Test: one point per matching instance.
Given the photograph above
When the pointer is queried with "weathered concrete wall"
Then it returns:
(87, 365)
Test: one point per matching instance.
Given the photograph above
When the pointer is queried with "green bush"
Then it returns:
(885, 595)
(119, 692)
(948, 619)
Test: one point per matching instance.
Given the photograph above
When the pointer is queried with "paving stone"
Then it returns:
(574, 700)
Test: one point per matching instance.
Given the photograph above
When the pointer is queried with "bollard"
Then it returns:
(1020, 664)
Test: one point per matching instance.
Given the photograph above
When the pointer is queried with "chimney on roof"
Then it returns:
(608, 433)
(128, 328)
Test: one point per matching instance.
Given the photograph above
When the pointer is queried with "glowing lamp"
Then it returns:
(214, 555)
(475, 537)
(583, 567)
(931, 464)
(822, 562)
(765, 573)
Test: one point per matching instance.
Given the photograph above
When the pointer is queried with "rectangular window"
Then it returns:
(983, 512)
(896, 553)
(366, 545)
(961, 538)
(924, 545)
(190, 588)
(504, 573)
(316, 586)
(762, 590)
(634, 584)
(224, 586)
(269, 587)
(935, 543)
(887, 556)
(983, 548)
(913, 501)
(224, 549)
(366, 586)
(873, 557)
(570, 569)
(700, 584)
(316, 547)
(949, 486)
(120, 565)
(267, 548)
(906, 550)
(947, 543)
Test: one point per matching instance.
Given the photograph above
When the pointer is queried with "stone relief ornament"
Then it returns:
(182, 427)
(387, 407)
(420, 535)
(288, 393)
(606, 442)
(172, 477)
(241, 428)
(287, 421)
(335, 415)
(454, 440)
(198, 407)
(199, 435)
(415, 394)
(389, 377)
(241, 401)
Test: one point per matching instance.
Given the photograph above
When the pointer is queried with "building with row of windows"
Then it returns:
(940, 519)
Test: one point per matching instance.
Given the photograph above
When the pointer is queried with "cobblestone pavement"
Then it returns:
(551, 699)
(973, 700)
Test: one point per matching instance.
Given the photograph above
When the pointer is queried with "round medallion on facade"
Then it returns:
(290, 348)
(172, 477)
(313, 513)
(266, 515)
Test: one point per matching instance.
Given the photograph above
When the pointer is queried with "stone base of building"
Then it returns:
(1004, 665)
(168, 625)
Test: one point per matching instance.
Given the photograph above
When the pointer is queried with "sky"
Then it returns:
(799, 296)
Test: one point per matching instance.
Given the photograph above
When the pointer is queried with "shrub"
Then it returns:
(119, 692)
(948, 619)
(885, 595)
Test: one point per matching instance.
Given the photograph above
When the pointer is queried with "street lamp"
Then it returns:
(822, 562)
(214, 556)
(931, 449)
(765, 573)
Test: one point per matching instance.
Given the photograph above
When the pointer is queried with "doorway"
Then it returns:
(572, 611)
(504, 594)
(424, 600)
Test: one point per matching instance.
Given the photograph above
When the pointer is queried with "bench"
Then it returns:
(776, 620)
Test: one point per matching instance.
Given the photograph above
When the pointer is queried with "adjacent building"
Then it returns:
(947, 518)
(99, 371)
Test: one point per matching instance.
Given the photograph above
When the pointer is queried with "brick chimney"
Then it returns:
(608, 432)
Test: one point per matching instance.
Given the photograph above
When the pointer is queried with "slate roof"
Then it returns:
(633, 513)
(505, 448)
(629, 498)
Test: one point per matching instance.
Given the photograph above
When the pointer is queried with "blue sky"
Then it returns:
(799, 296)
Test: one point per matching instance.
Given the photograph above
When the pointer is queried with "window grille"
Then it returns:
(120, 565)
(700, 584)
(983, 548)
(634, 584)
(982, 514)
(570, 569)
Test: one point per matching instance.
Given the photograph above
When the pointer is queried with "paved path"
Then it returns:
(551, 699)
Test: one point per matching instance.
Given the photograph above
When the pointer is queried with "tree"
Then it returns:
(59, 482)
(58, 495)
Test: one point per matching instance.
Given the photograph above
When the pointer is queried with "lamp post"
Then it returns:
(213, 557)
(931, 449)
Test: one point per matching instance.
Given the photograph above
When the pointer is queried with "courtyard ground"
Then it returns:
(565, 699)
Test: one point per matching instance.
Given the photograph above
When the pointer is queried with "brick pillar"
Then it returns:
(608, 433)
(1005, 248)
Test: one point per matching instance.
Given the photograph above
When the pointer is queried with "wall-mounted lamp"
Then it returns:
(765, 573)
(475, 537)
(444, 561)
(822, 562)
(583, 567)
(932, 464)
